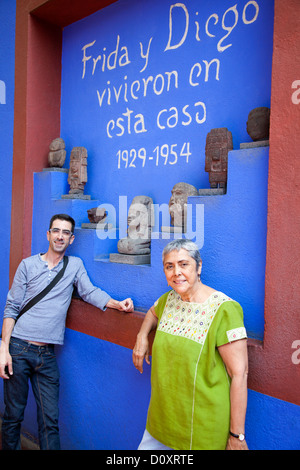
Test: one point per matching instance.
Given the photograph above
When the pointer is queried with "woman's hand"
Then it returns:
(140, 352)
(141, 349)
(235, 359)
(235, 444)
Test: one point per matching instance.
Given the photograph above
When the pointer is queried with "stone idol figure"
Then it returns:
(57, 154)
(258, 124)
(77, 176)
(135, 248)
(78, 170)
(178, 206)
(218, 144)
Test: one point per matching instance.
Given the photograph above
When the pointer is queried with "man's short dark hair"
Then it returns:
(65, 217)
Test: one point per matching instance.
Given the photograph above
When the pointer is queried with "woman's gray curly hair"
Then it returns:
(184, 244)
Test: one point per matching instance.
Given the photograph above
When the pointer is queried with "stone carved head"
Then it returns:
(57, 154)
(140, 218)
(178, 203)
(258, 123)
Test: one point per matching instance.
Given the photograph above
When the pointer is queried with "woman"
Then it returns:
(196, 402)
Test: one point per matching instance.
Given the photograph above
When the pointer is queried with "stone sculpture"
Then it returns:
(77, 177)
(258, 123)
(96, 215)
(98, 220)
(57, 154)
(136, 247)
(218, 144)
(139, 227)
(178, 203)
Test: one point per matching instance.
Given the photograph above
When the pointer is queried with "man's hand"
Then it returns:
(126, 305)
(5, 357)
(122, 305)
(5, 361)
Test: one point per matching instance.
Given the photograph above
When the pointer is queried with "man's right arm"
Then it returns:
(13, 304)
(5, 357)
(16, 294)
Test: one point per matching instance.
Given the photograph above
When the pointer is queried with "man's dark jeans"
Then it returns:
(37, 363)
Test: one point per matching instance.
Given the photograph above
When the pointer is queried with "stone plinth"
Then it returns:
(84, 197)
(129, 259)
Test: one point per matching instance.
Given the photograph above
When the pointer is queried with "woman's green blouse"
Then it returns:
(190, 387)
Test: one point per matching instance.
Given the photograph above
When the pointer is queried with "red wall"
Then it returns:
(37, 122)
(272, 369)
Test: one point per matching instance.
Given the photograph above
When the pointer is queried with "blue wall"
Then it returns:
(272, 424)
(138, 144)
(111, 413)
(234, 248)
(7, 80)
(105, 52)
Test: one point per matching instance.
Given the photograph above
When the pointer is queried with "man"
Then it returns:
(27, 347)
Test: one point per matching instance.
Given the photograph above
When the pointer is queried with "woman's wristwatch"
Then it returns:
(240, 437)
